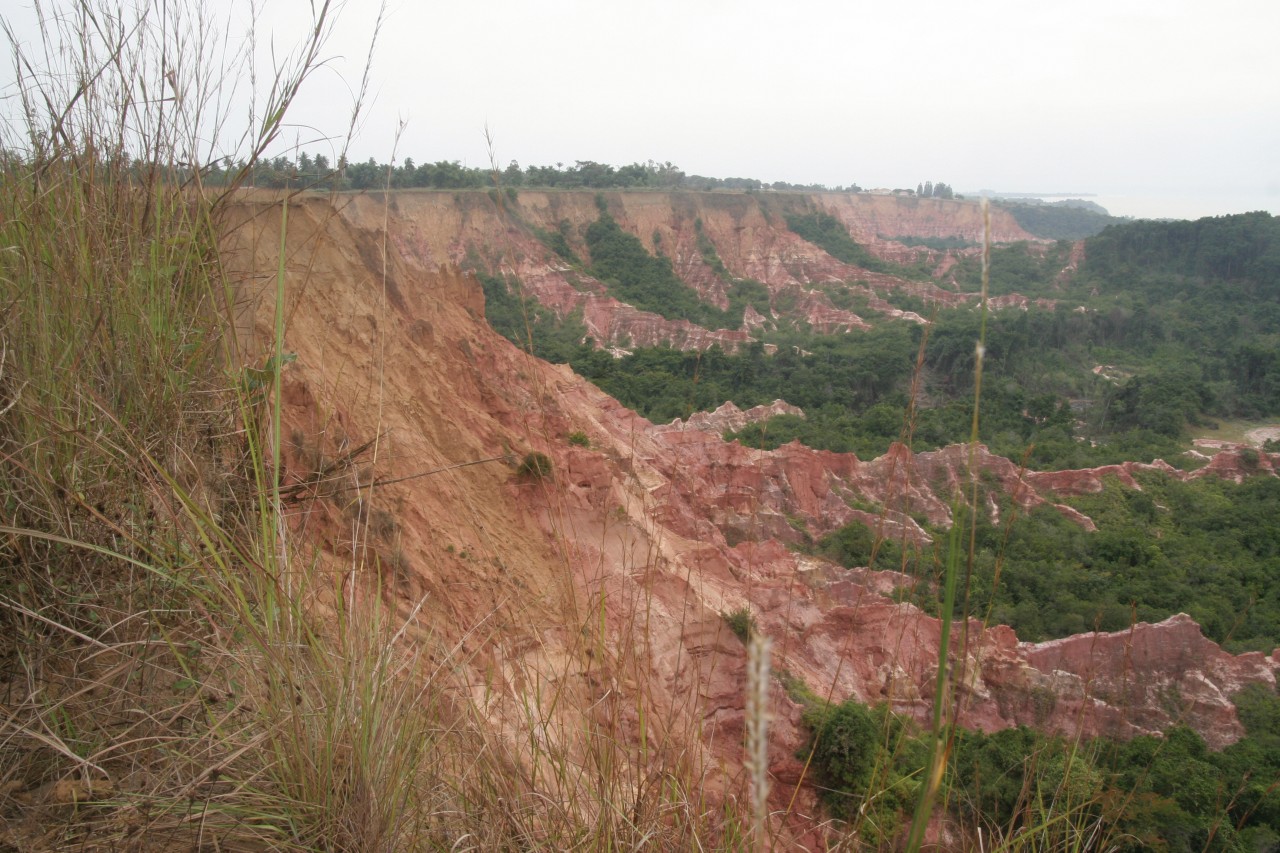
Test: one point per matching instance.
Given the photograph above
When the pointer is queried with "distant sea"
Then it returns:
(1171, 205)
(1188, 206)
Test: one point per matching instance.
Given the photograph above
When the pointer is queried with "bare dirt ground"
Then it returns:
(1253, 433)
(1261, 435)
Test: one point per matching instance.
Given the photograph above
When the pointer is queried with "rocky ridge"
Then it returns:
(730, 418)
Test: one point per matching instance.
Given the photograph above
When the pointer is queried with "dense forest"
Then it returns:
(1167, 793)
(1060, 220)
(319, 173)
(1206, 547)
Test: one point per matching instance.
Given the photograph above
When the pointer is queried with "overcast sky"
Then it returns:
(1170, 106)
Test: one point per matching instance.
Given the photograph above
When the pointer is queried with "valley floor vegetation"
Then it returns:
(1032, 791)
(1207, 547)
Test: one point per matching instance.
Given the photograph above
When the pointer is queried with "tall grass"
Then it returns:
(962, 511)
(164, 681)
(179, 671)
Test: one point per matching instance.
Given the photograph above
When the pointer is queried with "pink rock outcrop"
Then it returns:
(1148, 678)
(729, 418)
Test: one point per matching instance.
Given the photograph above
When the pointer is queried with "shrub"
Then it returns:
(534, 466)
(741, 623)
(846, 739)
(578, 438)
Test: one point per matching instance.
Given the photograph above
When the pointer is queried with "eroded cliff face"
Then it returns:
(500, 233)
(586, 607)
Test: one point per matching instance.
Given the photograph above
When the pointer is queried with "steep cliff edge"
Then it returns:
(506, 234)
(584, 609)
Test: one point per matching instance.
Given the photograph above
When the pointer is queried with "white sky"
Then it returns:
(1168, 105)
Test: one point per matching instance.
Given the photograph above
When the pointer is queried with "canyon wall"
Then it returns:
(587, 607)
(499, 232)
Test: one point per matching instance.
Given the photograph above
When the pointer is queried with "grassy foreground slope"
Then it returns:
(165, 686)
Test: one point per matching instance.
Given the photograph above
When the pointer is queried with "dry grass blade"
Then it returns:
(122, 461)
